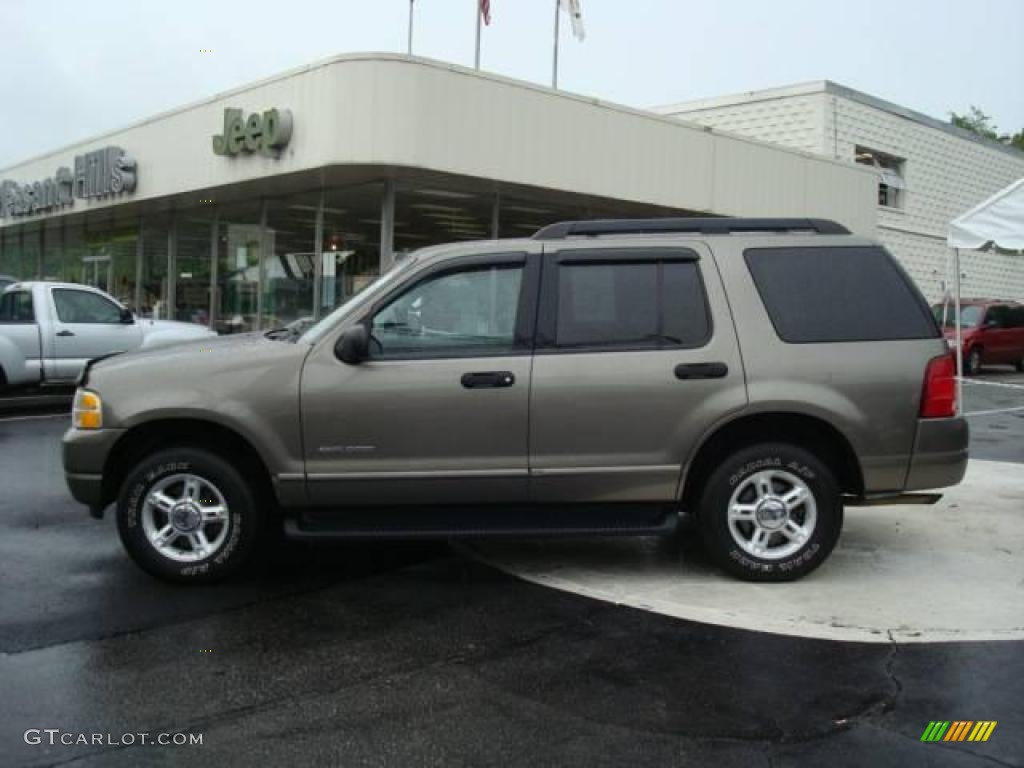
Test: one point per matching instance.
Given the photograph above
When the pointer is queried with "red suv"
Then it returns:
(992, 332)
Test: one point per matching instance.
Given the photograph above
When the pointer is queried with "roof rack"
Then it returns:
(705, 226)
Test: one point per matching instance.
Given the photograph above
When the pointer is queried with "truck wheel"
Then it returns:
(770, 512)
(972, 365)
(187, 515)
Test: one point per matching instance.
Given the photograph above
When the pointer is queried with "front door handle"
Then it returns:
(687, 371)
(65, 333)
(488, 379)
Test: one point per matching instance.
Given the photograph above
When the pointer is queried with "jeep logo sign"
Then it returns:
(266, 133)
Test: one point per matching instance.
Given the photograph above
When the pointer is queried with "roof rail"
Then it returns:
(705, 226)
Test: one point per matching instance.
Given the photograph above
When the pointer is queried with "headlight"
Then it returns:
(87, 410)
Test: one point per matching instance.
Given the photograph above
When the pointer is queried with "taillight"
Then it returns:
(938, 398)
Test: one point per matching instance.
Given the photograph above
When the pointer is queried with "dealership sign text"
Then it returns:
(101, 173)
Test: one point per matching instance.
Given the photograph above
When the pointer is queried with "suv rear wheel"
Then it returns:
(186, 515)
(972, 365)
(770, 512)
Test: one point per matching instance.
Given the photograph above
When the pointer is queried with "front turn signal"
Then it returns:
(87, 410)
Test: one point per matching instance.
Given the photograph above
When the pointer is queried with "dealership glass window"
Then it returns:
(31, 252)
(239, 245)
(107, 258)
(11, 261)
(351, 242)
(154, 290)
(53, 252)
(289, 259)
(429, 214)
(192, 266)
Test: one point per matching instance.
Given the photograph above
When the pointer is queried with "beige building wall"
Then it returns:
(387, 110)
(947, 172)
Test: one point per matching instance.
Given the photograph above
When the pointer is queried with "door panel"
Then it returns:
(617, 423)
(87, 325)
(439, 413)
(409, 432)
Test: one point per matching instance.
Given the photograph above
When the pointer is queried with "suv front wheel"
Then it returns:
(186, 515)
(770, 512)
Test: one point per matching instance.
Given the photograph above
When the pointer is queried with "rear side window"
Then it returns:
(630, 303)
(1016, 317)
(817, 295)
(16, 307)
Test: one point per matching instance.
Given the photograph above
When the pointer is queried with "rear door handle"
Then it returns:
(488, 379)
(686, 371)
(65, 333)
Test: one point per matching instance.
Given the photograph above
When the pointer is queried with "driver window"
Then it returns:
(456, 312)
(84, 307)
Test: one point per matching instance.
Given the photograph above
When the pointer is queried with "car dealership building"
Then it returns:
(275, 201)
(928, 171)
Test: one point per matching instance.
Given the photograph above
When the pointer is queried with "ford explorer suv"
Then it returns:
(49, 331)
(601, 377)
(991, 332)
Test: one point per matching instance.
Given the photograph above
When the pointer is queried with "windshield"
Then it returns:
(969, 315)
(381, 283)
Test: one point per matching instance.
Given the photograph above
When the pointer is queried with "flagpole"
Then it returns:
(409, 50)
(554, 63)
(478, 15)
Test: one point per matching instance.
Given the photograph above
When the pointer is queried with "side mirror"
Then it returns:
(353, 346)
(127, 318)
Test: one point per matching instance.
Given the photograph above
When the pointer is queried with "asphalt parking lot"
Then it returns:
(388, 654)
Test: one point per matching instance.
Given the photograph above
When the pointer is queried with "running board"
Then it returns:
(469, 522)
(891, 499)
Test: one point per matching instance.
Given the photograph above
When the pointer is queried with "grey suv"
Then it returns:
(600, 377)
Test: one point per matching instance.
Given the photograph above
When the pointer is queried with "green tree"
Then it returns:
(978, 122)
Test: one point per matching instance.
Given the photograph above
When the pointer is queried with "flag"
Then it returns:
(485, 11)
(572, 7)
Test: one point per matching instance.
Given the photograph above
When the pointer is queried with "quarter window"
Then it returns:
(853, 293)
(84, 307)
(16, 307)
(457, 313)
(630, 303)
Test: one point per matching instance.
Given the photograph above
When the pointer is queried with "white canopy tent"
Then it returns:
(997, 223)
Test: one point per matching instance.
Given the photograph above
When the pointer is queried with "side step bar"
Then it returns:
(894, 499)
(459, 522)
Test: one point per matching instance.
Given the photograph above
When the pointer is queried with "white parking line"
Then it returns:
(38, 416)
(995, 410)
(1006, 384)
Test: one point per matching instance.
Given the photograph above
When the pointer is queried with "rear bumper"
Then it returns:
(940, 454)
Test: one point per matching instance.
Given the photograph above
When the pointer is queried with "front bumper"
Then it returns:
(940, 454)
(85, 453)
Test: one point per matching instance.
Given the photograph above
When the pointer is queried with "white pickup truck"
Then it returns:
(49, 331)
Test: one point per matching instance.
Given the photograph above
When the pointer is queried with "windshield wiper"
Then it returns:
(283, 333)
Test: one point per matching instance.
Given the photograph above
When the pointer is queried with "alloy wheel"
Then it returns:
(772, 514)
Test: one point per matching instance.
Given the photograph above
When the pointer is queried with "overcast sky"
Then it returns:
(72, 69)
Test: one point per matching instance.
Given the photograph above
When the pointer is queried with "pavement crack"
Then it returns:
(890, 671)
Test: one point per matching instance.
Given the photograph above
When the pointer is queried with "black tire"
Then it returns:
(244, 517)
(739, 474)
(972, 363)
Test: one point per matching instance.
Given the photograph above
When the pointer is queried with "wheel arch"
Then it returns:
(803, 430)
(148, 437)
